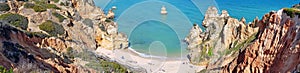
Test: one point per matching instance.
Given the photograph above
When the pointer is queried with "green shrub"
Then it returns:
(15, 20)
(4, 7)
(236, 48)
(70, 53)
(210, 52)
(297, 7)
(102, 27)
(88, 22)
(64, 3)
(41, 6)
(56, 1)
(87, 56)
(52, 28)
(4, 70)
(47, 26)
(60, 17)
(38, 8)
(40, 1)
(203, 71)
(97, 63)
(108, 20)
(36, 34)
(53, 6)
(241, 45)
(45, 1)
(107, 66)
(292, 12)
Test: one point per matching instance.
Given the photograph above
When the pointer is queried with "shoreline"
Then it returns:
(131, 50)
(133, 60)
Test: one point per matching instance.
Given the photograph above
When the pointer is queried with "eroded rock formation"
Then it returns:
(268, 45)
(19, 51)
(276, 48)
(222, 33)
(86, 28)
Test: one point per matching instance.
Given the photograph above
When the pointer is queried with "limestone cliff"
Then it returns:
(276, 48)
(267, 45)
(57, 36)
(223, 33)
(18, 51)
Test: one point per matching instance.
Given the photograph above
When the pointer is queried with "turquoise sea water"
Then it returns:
(151, 33)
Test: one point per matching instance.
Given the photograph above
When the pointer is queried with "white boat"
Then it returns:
(163, 10)
(114, 7)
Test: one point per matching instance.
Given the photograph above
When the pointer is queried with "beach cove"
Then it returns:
(142, 22)
(149, 36)
(156, 41)
(134, 61)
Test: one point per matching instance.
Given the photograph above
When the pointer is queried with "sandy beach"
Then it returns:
(152, 65)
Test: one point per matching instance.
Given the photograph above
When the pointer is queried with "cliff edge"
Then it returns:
(58, 36)
(267, 45)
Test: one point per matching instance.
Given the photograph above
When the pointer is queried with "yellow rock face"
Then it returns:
(104, 43)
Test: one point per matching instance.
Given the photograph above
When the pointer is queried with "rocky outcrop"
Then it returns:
(87, 10)
(297, 6)
(86, 28)
(276, 48)
(267, 45)
(14, 5)
(110, 14)
(104, 30)
(222, 34)
(18, 51)
(55, 43)
(111, 39)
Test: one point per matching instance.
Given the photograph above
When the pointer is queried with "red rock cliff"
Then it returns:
(275, 49)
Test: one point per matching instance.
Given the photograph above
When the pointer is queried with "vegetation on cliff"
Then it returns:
(88, 22)
(15, 20)
(40, 6)
(96, 62)
(52, 28)
(60, 17)
(4, 7)
(112, 66)
(56, 1)
(39, 41)
(4, 70)
(240, 46)
(224, 36)
(37, 34)
(273, 48)
(292, 12)
(107, 66)
(296, 6)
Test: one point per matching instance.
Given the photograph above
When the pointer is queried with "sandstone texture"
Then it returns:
(269, 45)
(222, 34)
(84, 28)
(276, 48)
